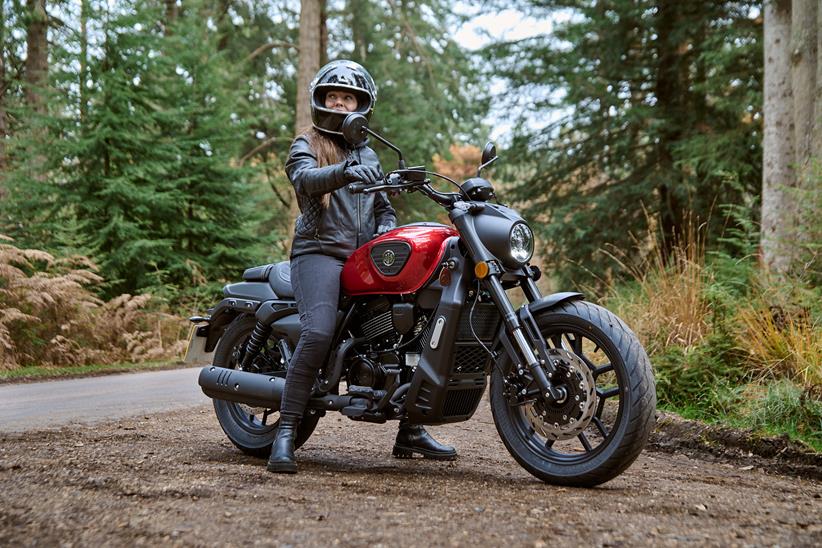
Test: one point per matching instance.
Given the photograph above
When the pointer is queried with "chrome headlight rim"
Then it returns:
(522, 250)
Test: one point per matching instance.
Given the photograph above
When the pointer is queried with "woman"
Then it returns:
(333, 223)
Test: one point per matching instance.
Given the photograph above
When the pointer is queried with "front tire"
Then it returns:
(253, 429)
(625, 401)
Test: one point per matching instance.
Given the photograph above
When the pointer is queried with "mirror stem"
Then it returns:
(486, 164)
(389, 145)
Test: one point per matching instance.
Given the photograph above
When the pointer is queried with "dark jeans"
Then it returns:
(316, 282)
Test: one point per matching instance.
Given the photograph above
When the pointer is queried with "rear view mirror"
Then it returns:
(489, 156)
(355, 128)
(488, 153)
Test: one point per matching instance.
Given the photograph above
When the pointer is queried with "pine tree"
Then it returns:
(147, 180)
(660, 106)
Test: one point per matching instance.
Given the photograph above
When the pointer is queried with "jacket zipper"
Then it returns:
(359, 220)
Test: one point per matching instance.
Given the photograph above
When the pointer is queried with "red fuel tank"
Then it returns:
(399, 261)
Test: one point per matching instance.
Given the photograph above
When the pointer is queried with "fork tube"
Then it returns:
(514, 327)
(529, 287)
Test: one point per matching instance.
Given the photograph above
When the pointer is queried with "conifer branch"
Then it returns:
(414, 40)
(262, 146)
(269, 46)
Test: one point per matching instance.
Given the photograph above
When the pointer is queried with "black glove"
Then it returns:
(382, 229)
(365, 174)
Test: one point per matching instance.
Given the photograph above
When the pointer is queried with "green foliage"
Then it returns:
(757, 360)
(787, 408)
(429, 95)
(704, 377)
(140, 170)
(659, 106)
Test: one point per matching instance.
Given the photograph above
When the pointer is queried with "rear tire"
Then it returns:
(624, 386)
(253, 429)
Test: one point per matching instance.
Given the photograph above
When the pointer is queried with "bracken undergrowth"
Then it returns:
(50, 315)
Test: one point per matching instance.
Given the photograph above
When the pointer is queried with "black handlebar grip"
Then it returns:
(356, 188)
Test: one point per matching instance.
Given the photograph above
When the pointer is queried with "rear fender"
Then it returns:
(222, 315)
(227, 310)
(283, 318)
(254, 291)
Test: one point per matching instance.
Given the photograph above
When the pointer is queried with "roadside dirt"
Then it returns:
(63, 373)
(173, 479)
(713, 442)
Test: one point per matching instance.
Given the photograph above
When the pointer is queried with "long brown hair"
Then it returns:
(328, 152)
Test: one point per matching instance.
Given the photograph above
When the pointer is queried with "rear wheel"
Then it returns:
(599, 429)
(253, 429)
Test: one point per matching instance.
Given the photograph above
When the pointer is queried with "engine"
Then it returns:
(392, 330)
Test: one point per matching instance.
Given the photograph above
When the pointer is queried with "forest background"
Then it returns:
(667, 154)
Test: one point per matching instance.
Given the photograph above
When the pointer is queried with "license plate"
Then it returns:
(196, 354)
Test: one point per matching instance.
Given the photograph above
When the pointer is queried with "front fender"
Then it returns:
(553, 300)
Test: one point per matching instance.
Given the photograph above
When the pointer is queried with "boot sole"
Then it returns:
(282, 467)
(401, 452)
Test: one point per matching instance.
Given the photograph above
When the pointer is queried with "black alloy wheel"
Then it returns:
(253, 429)
(601, 427)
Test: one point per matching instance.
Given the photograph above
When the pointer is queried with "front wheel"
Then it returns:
(604, 422)
(253, 429)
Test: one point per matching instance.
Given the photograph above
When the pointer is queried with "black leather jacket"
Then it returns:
(350, 219)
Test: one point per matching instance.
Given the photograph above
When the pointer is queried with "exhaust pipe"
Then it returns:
(259, 390)
(241, 387)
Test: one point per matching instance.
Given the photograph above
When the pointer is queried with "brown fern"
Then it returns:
(50, 315)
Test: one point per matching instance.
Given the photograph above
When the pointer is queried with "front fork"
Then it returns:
(525, 337)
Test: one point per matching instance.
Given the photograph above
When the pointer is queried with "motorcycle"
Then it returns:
(424, 322)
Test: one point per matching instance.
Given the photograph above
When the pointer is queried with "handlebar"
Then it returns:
(395, 181)
(392, 181)
(358, 188)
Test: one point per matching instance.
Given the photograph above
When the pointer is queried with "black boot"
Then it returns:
(282, 450)
(412, 438)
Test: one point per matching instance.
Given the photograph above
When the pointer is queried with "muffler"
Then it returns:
(259, 390)
(242, 387)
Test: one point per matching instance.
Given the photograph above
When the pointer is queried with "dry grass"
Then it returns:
(780, 344)
(669, 307)
(50, 316)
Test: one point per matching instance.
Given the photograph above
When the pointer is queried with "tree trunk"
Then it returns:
(324, 34)
(309, 59)
(358, 10)
(778, 176)
(803, 83)
(310, 44)
(36, 55)
(816, 140)
(171, 15)
(671, 80)
(803, 80)
(171, 10)
(3, 87)
(84, 15)
(223, 24)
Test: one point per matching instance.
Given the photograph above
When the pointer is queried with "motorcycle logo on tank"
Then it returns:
(388, 257)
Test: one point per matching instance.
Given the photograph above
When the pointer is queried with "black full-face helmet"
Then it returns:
(345, 75)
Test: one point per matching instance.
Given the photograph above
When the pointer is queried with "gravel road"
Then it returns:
(172, 478)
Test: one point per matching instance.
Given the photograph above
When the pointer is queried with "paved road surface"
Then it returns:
(57, 403)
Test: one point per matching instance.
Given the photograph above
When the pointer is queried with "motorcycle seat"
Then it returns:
(278, 275)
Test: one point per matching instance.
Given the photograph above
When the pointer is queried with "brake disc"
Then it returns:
(566, 418)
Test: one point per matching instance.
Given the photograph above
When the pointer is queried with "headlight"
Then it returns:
(522, 243)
